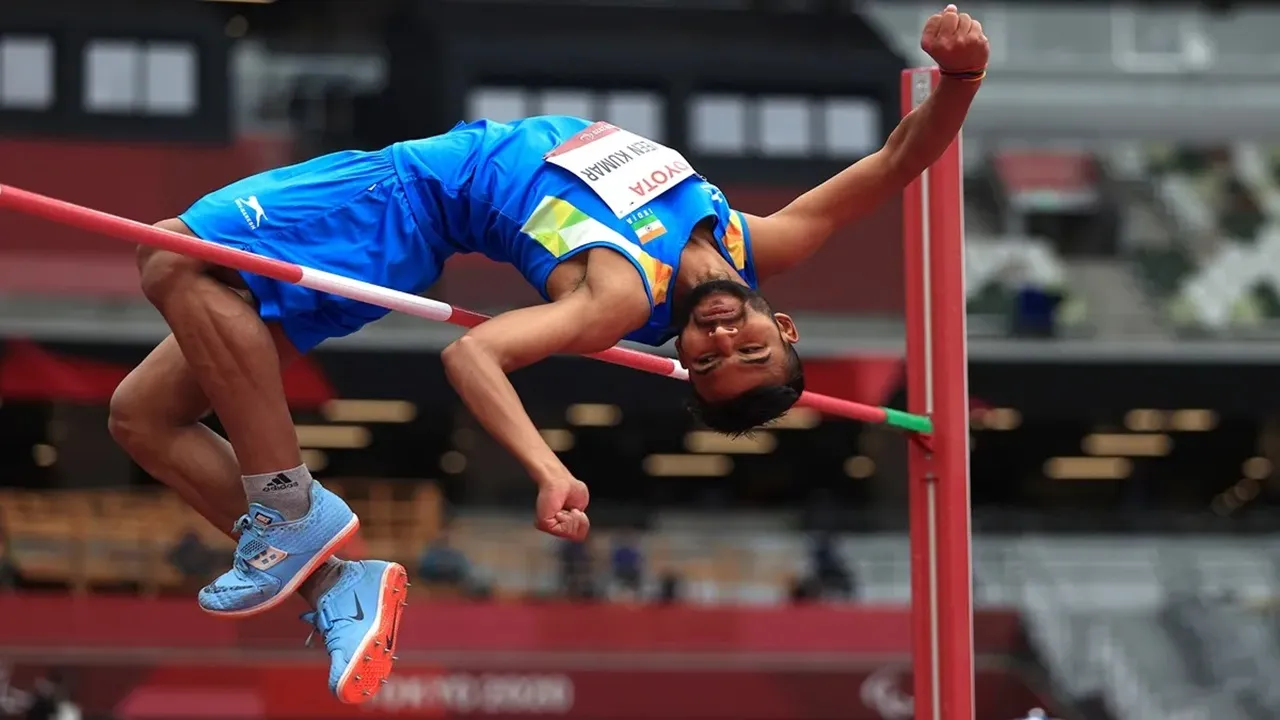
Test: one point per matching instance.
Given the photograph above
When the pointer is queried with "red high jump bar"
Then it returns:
(142, 234)
(938, 388)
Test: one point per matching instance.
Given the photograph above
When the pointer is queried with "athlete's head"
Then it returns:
(742, 364)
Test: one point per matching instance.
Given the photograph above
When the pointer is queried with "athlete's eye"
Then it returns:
(751, 350)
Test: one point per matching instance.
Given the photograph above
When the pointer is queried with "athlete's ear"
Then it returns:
(786, 327)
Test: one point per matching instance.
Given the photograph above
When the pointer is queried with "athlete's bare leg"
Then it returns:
(221, 355)
(155, 417)
(231, 353)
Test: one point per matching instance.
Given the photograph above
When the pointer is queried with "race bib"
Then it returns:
(624, 169)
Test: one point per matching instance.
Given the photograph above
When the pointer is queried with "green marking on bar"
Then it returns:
(908, 421)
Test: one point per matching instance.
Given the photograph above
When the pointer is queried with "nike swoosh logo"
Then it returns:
(359, 610)
(391, 636)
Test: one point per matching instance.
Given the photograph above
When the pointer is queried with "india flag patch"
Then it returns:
(647, 226)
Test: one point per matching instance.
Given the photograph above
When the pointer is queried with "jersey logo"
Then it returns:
(716, 195)
(251, 204)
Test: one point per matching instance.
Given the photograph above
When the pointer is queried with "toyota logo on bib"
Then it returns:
(625, 170)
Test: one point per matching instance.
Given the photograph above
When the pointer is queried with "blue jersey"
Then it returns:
(486, 187)
(393, 217)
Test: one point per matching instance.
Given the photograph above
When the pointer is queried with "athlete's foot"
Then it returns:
(359, 618)
(274, 557)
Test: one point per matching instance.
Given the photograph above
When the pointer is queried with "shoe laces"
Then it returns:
(319, 624)
(250, 548)
(321, 621)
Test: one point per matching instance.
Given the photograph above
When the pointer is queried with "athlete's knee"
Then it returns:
(157, 398)
(128, 419)
(161, 272)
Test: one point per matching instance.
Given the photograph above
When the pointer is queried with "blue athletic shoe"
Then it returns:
(359, 618)
(275, 556)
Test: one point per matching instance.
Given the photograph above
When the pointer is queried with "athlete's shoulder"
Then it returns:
(563, 123)
(547, 131)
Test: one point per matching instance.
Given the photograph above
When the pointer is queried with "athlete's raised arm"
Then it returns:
(785, 238)
(588, 320)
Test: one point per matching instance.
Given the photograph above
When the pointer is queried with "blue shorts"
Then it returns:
(347, 213)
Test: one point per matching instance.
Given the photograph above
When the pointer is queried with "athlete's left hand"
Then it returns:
(561, 508)
(955, 41)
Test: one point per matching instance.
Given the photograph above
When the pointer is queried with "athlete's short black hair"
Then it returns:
(755, 407)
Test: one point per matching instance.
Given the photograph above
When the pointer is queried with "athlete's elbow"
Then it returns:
(451, 357)
(467, 353)
(600, 332)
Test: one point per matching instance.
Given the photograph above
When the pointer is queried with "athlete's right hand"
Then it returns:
(561, 508)
(956, 41)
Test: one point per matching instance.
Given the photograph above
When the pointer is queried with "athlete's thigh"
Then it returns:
(164, 389)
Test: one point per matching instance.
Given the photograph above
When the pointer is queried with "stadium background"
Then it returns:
(1122, 199)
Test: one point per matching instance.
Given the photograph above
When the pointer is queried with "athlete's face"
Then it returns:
(731, 340)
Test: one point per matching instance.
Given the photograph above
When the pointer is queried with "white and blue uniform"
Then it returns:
(394, 216)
